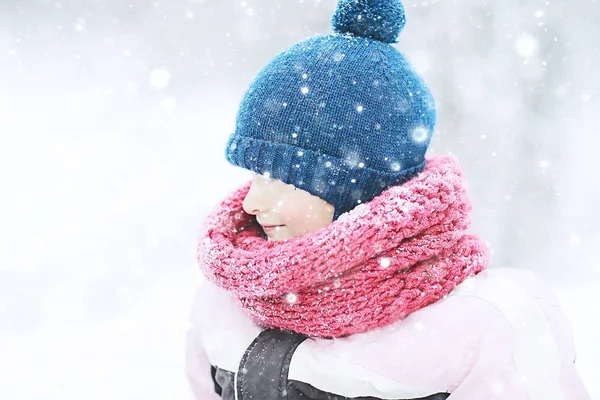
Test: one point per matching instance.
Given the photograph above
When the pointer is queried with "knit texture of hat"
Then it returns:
(342, 116)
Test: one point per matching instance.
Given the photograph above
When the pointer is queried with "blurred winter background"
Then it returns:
(113, 119)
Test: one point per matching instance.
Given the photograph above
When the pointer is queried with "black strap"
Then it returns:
(303, 391)
(263, 371)
(213, 374)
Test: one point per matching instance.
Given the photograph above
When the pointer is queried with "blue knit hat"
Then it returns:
(343, 116)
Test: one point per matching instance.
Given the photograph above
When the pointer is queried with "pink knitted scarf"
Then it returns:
(376, 264)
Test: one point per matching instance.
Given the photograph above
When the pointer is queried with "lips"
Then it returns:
(268, 228)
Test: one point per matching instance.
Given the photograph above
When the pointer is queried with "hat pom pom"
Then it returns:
(376, 19)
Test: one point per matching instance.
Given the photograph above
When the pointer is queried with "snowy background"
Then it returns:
(113, 120)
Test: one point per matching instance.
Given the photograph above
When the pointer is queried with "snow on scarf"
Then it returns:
(376, 264)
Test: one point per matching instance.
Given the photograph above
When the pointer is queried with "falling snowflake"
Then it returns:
(304, 89)
(384, 262)
(359, 108)
(79, 25)
(291, 298)
(526, 46)
(420, 134)
(352, 159)
(396, 166)
(159, 78)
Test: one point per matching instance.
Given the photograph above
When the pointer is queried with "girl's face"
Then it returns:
(285, 211)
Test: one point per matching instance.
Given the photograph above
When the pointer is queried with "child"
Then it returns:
(343, 269)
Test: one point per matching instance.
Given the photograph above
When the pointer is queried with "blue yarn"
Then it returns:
(340, 116)
(376, 19)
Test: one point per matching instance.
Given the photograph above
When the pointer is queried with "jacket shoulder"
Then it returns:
(525, 302)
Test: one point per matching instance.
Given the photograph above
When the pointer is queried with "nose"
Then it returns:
(255, 202)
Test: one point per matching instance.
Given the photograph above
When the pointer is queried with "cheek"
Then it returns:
(303, 215)
(295, 213)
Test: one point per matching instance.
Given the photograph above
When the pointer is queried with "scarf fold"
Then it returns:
(376, 264)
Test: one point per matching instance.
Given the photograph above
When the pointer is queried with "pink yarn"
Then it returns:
(387, 258)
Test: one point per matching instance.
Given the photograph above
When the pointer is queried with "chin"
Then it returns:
(277, 237)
